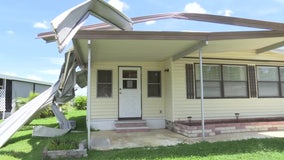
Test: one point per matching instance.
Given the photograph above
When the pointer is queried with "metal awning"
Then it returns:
(69, 22)
(159, 46)
(124, 44)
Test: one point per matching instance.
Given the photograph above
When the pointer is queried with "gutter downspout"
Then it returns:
(89, 94)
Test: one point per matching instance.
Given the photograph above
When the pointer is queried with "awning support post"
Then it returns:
(201, 93)
(89, 94)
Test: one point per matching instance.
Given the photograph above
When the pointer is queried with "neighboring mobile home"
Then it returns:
(12, 87)
(154, 75)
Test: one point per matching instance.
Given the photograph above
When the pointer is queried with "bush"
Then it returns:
(80, 102)
(22, 101)
(45, 112)
(65, 107)
(63, 143)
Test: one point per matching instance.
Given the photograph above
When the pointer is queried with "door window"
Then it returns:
(129, 79)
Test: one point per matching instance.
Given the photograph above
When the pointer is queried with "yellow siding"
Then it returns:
(104, 107)
(224, 108)
(173, 105)
(107, 108)
(169, 91)
(152, 107)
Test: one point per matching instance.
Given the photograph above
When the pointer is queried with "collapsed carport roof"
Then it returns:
(124, 44)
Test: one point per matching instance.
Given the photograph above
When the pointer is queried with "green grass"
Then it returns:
(254, 149)
(63, 143)
(23, 146)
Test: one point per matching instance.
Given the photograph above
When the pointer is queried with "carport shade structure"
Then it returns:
(116, 36)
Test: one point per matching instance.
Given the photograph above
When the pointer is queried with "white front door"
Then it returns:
(129, 92)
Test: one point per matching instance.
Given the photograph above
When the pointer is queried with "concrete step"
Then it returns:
(132, 129)
(123, 126)
(130, 123)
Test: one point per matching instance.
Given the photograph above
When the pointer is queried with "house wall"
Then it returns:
(225, 108)
(169, 91)
(39, 88)
(9, 95)
(104, 111)
(21, 89)
(16, 89)
(174, 105)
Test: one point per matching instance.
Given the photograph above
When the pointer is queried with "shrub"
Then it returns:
(65, 107)
(22, 101)
(62, 143)
(45, 112)
(80, 102)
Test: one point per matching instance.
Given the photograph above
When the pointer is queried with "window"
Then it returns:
(154, 84)
(222, 81)
(129, 79)
(282, 80)
(268, 81)
(235, 81)
(211, 80)
(104, 83)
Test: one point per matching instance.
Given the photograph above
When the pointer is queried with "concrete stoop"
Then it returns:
(123, 126)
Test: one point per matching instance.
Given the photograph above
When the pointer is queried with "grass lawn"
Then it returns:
(23, 146)
(254, 149)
